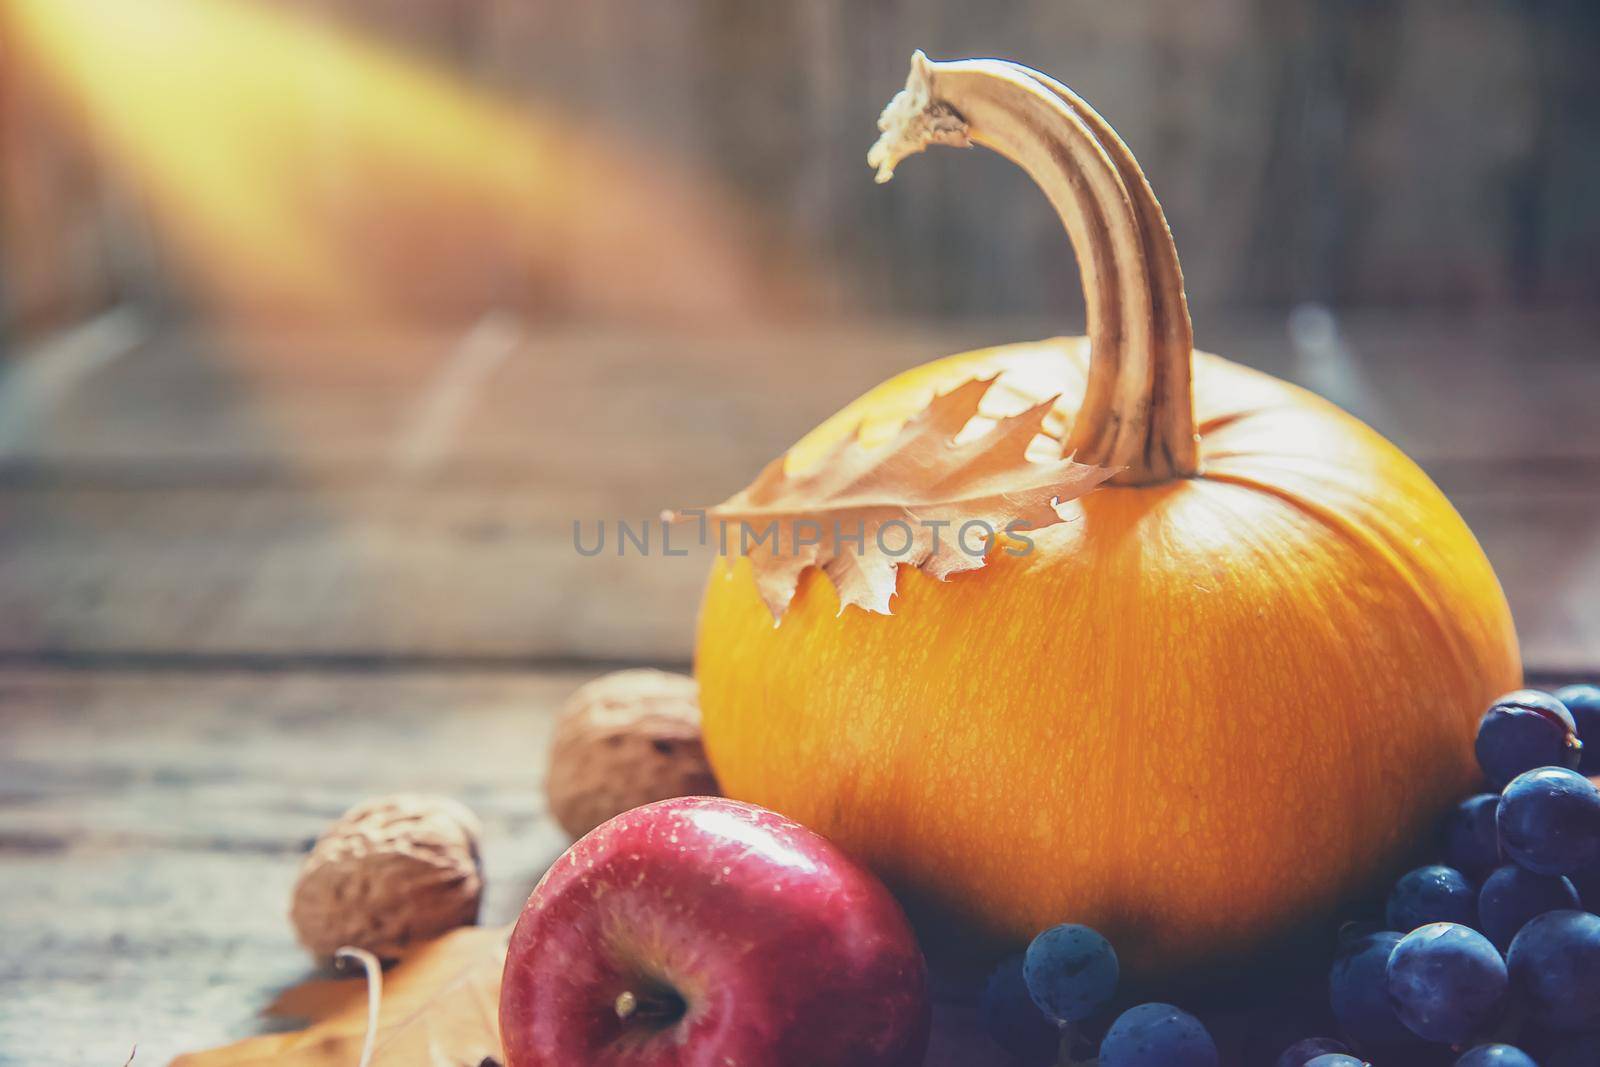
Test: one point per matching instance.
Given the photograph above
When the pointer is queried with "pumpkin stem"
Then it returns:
(1138, 407)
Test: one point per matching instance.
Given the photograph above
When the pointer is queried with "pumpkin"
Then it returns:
(1233, 689)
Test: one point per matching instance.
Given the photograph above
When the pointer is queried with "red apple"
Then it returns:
(702, 932)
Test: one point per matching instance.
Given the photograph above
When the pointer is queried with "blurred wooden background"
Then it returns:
(253, 568)
(1341, 151)
(1390, 202)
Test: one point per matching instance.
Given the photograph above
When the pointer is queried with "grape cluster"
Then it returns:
(1486, 958)
(1033, 1006)
(1492, 944)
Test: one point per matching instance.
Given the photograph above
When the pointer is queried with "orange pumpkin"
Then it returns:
(1235, 687)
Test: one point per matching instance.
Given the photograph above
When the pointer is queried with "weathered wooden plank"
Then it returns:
(151, 827)
(246, 496)
(580, 403)
(486, 574)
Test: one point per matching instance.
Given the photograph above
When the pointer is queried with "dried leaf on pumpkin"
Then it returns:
(927, 485)
(440, 1008)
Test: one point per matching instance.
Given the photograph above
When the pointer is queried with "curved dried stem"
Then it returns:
(374, 971)
(1137, 412)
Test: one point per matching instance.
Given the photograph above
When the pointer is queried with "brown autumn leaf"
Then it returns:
(439, 1008)
(860, 513)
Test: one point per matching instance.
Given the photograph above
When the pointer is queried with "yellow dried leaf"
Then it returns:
(440, 1008)
(859, 513)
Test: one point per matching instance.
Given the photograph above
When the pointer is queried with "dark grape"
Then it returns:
(1511, 896)
(1587, 883)
(1433, 894)
(1448, 983)
(1353, 930)
(1276, 1010)
(1471, 842)
(1336, 1059)
(1524, 730)
(1555, 967)
(1495, 1056)
(1013, 1019)
(1583, 701)
(1303, 1052)
(1358, 992)
(1549, 821)
(1157, 1035)
(1577, 1052)
(1071, 972)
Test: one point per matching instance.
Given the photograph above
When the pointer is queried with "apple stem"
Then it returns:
(660, 1007)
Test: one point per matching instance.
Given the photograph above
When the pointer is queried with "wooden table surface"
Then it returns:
(249, 579)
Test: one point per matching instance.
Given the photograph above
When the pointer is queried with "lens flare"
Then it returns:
(295, 169)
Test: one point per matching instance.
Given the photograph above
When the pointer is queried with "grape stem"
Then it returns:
(1064, 1050)
(1138, 407)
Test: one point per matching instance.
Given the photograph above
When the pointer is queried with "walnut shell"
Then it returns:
(623, 740)
(390, 871)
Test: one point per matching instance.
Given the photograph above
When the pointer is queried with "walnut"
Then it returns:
(390, 871)
(623, 740)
